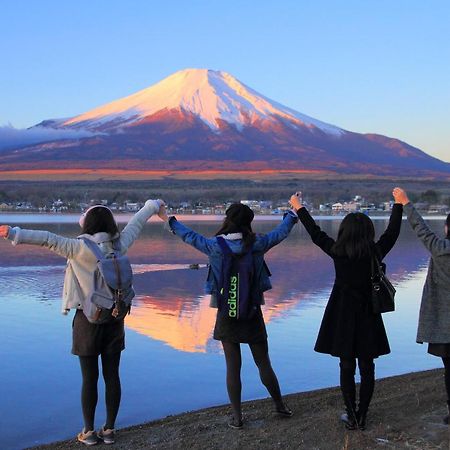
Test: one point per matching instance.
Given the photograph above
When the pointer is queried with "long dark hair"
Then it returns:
(99, 220)
(238, 219)
(355, 237)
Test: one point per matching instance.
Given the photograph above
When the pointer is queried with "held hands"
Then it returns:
(4, 231)
(162, 213)
(296, 201)
(400, 196)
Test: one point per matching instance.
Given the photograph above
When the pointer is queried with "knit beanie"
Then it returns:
(240, 214)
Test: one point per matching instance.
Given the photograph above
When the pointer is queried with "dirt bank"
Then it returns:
(406, 412)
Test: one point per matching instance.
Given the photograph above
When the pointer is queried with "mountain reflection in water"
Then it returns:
(169, 332)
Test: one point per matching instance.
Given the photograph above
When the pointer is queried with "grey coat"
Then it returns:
(434, 316)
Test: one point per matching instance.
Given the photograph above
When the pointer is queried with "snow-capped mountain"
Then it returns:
(203, 120)
(210, 95)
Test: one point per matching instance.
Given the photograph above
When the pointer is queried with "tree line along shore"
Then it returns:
(406, 413)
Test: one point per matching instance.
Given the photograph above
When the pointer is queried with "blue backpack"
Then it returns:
(235, 299)
(112, 292)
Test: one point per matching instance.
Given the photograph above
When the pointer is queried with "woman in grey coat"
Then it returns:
(434, 316)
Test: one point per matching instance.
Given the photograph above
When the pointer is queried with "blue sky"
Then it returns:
(366, 66)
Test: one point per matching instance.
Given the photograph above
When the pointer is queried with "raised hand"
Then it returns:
(295, 201)
(162, 213)
(4, 231)
(400, 196)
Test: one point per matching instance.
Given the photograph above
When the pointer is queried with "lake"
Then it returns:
(171, 363)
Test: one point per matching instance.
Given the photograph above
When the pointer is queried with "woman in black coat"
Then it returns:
(349, 329)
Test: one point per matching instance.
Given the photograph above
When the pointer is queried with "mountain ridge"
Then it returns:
(199, 119)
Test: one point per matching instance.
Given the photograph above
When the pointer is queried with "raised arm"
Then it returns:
(434, 244)
(389, 237)
(319, 237)
(191, 237)
(137, 222)
(61, 245)
(266, 242)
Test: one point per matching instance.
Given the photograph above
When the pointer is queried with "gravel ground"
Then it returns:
(406, 413)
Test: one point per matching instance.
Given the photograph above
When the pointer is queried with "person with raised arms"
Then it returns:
(434, 316)
(237, 279)
(92, 337)
(350, 330)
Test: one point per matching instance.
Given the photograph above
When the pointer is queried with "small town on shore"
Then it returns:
(262, 207)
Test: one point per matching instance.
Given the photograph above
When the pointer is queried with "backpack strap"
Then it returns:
(223, 245)
(93, 247)
(116, 245)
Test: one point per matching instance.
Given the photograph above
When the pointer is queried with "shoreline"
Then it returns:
(406, 412)
(72, 217)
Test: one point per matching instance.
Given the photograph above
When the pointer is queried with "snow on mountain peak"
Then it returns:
(208, 94)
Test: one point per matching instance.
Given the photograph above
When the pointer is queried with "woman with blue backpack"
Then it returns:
(237, 279)
(97, 284)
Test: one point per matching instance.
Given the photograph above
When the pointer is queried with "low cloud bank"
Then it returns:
(11, 137)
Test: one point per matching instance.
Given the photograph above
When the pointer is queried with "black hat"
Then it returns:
(239, 214)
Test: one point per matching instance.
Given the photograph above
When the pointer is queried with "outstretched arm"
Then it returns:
(435, 245)
(278, 234)
(135, 225)
(189, 236)
(61, 245)
(319, 237)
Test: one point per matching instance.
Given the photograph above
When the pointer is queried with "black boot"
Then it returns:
(361, 417)
(366, 388)
(349, 417)
(348, 389)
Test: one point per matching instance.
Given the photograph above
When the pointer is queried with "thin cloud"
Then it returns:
(11, 137)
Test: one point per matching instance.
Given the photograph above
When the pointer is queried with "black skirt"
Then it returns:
(441, 350)
(241, 331)
(89, 339)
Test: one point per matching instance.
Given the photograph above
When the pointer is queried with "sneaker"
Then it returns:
(88, 437)
(107, 436)
(284, 411)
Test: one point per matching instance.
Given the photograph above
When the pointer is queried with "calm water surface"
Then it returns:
(171, 363)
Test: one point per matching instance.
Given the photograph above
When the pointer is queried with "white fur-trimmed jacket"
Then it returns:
(81, 262)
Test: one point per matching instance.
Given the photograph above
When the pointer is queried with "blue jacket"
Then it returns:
(210, 247)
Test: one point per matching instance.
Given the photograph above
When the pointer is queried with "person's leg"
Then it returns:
(234, 387)
(446, 361)
(89, 396)
(367, 372)
(110, 366)
(260, 352)
(347, 382)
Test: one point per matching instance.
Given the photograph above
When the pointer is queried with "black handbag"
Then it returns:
(382, 290)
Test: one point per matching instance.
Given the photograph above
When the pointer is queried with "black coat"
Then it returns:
(349, 329)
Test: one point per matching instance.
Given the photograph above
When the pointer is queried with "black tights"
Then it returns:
(260, 352)
(89, 395)
(446, 362)
(347, 379)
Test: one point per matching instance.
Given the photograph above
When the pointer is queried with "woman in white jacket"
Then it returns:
(90, 340)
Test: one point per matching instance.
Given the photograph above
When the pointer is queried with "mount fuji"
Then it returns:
(200, 120)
